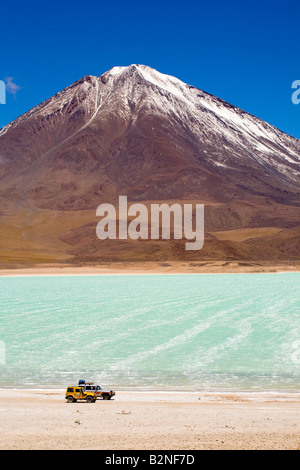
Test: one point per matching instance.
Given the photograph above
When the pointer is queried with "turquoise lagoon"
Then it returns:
(209, 332)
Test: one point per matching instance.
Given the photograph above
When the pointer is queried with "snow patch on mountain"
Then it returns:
(126, 91)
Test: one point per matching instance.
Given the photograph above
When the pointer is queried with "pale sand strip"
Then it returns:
(143, 268)
(150, 420)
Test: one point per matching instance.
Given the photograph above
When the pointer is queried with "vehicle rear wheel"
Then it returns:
(70, 399)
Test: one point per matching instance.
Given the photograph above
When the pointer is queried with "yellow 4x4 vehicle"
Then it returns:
(79, 393)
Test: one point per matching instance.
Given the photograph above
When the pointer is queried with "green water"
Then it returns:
(190, 332)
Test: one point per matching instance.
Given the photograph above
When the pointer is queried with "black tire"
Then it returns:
(90, 400)
(106, 396)
(70, 399)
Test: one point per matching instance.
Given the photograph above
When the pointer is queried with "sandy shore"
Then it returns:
(218, 267)
(150, 421)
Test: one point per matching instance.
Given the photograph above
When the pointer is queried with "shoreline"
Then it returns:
(42, 420)
(214, 395)
(150, 268)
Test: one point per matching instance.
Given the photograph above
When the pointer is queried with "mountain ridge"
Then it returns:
(89, 77)
(150, 136)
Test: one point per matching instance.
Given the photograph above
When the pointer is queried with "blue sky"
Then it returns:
(247, 53)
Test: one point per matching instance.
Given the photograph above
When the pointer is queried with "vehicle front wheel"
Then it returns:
(106, 396)
(90, 400)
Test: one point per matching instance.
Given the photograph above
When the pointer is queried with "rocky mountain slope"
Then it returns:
(134, 131)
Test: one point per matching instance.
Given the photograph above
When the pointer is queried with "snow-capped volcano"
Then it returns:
(148, 135)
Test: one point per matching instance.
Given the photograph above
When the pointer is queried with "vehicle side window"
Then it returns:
(77, 390)
(71, 390)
